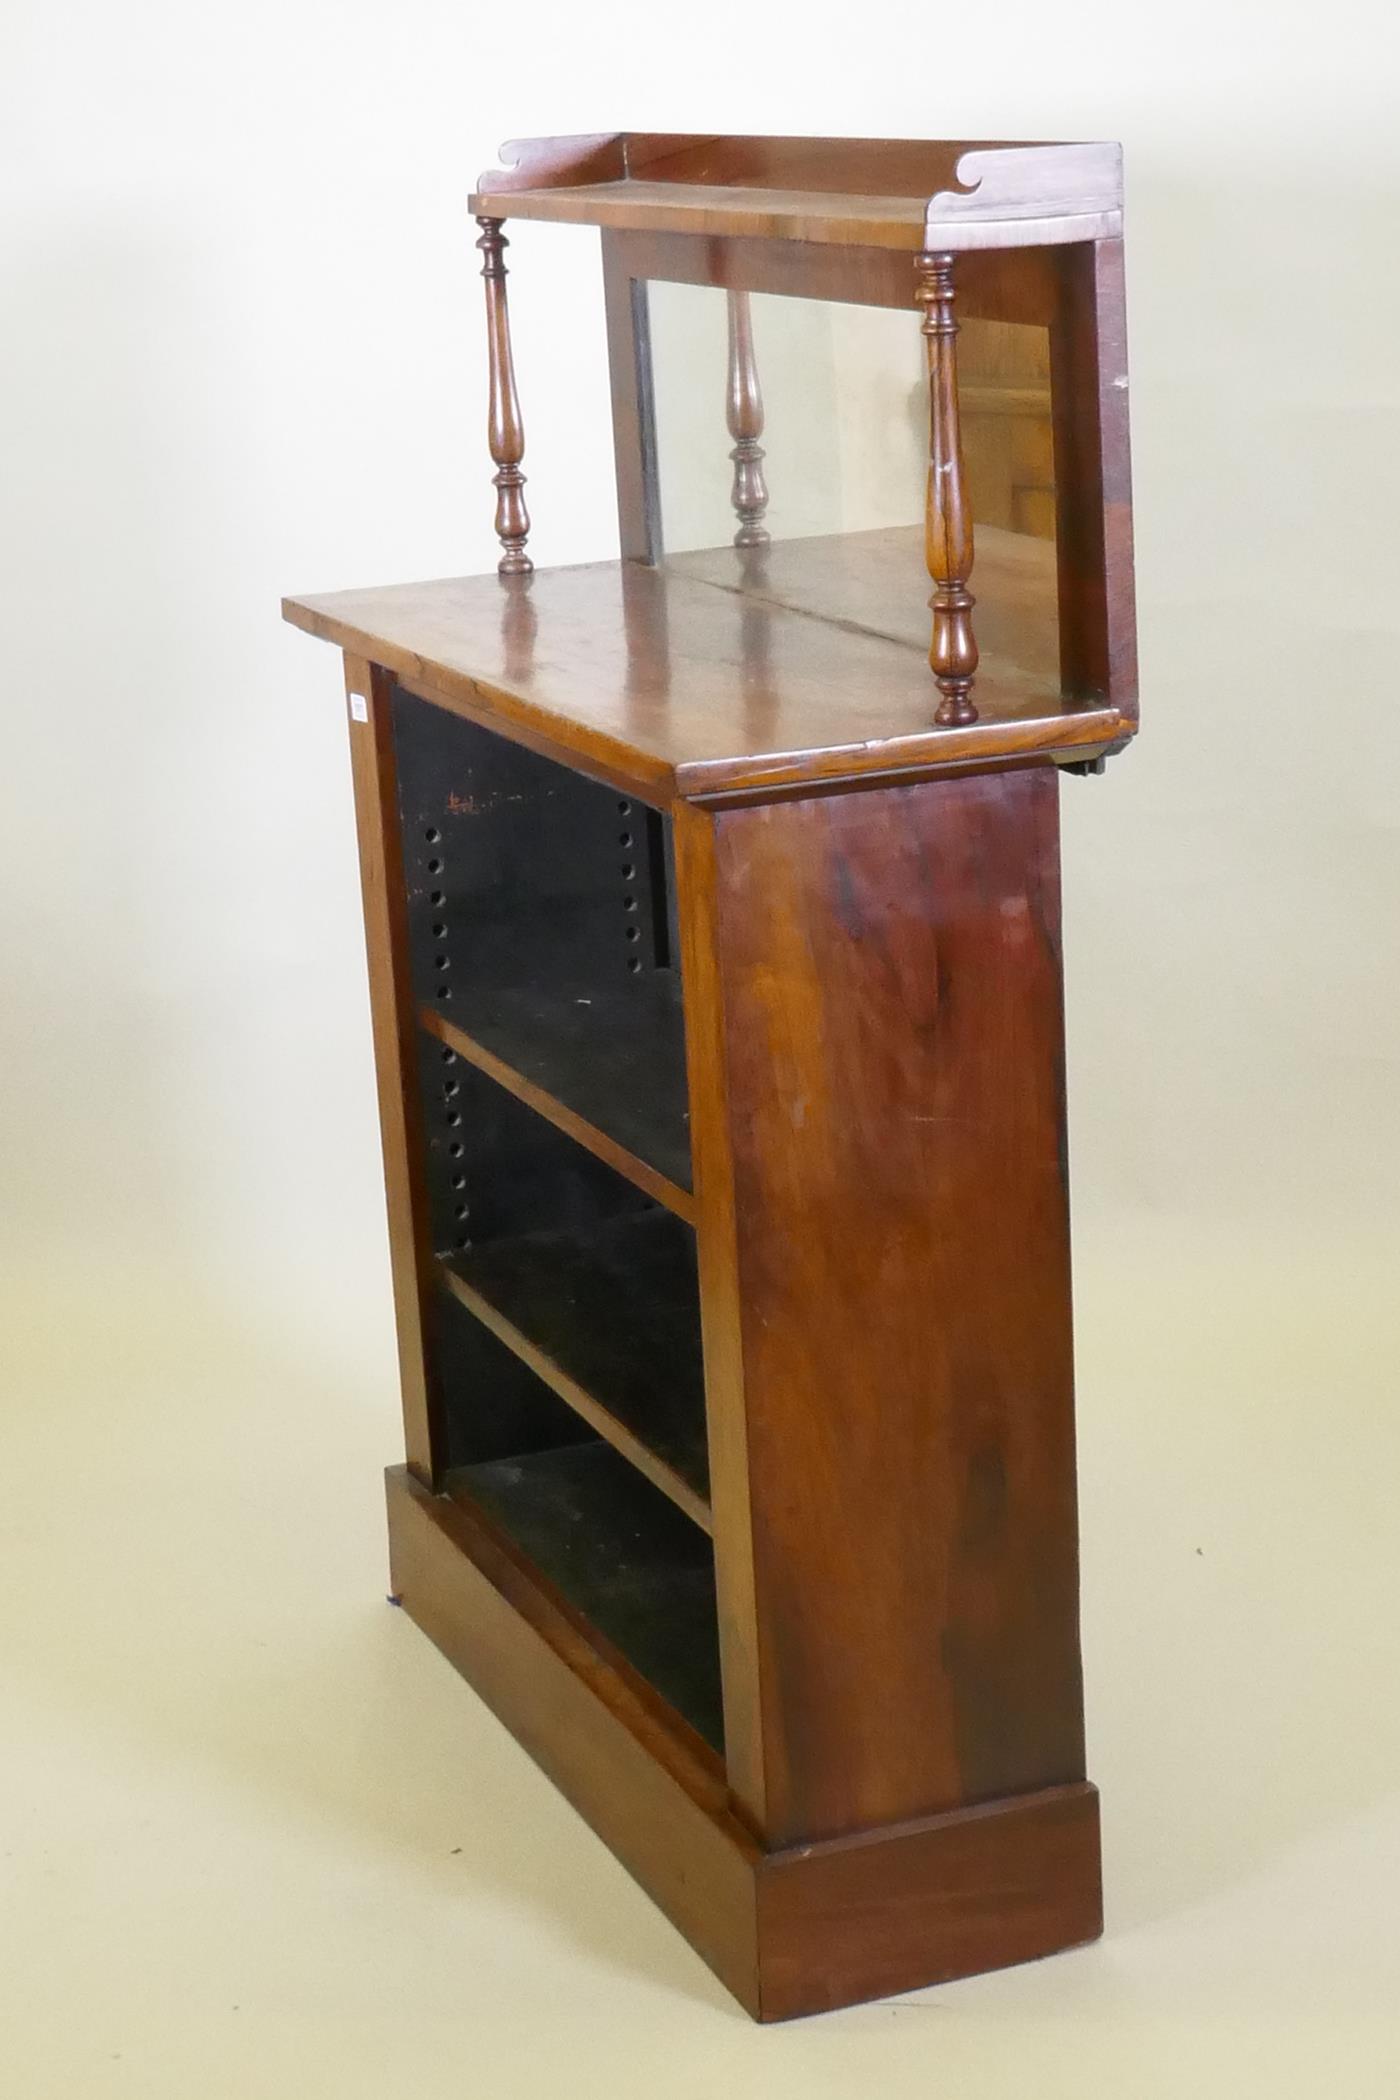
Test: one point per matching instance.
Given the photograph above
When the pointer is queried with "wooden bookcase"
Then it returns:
(714, 943)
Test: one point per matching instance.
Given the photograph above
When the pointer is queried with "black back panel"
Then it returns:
(542, 922)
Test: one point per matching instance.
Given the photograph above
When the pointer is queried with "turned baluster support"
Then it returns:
(504, 430)
(948, 520)
(744, 416)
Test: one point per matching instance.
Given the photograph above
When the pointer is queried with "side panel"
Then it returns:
(369, 698)
(874, 994)
(1093, 478)
(633, 408)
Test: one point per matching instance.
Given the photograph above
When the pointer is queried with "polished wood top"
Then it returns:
(870, 193)
(877, 581)
(731, 672)
(669, 207)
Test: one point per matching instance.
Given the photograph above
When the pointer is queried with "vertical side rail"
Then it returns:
(1093, 477)
(875, 1035)
(394, 1025)
(633, 404)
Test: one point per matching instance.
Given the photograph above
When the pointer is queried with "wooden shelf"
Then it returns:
(608, 1315)
(621, 1556)
(676, 685)
(715, 208)
(886, 193)
(577, 1046)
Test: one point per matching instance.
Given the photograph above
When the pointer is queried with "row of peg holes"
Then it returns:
(456, 1151)
(438, 898)
(443, 962)
(629, 870)
(451, 1086)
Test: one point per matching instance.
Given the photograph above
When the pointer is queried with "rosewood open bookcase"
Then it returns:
(712, 907)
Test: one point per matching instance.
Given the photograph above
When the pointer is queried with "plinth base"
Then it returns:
(796, 1931)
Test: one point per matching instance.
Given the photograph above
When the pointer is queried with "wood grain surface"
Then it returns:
(368, 691)
(672, 688)
(883, 1219)
(894, 193)
(789, 1932)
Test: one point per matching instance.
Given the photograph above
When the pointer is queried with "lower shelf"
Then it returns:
(790, 1931)
(636, 1570)
(607, 1313)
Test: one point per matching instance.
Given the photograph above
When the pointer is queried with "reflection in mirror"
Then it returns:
(826, 471)
(1004, 382)
(805, 422)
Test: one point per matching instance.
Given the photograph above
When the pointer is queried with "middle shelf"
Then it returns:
(608, 1315)
(629, 1107)
(589, 1284)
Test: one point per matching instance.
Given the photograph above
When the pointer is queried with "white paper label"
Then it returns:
(359, 708)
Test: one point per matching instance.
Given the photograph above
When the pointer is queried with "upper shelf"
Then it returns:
(873, 193)
(733, 672)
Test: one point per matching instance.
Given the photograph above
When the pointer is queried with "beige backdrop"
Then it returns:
(256, 1839)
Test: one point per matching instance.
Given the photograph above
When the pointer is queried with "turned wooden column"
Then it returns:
(744, 415)
(948, 518)
(504, 430)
